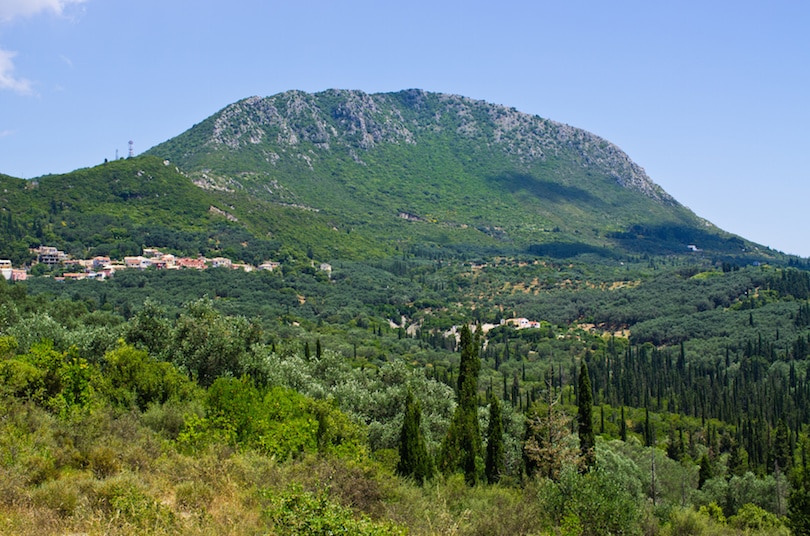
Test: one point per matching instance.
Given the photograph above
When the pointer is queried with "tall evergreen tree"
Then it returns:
(623, 427)
(798, 517)
(649, 433)
(493, 464)
(675, 449)
(706, 470)
(587, 439)
(798, 512)
(737, 463)
(782, 455)
(461, 448)
(414, 460)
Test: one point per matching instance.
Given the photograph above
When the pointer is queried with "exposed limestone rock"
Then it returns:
(358, 122)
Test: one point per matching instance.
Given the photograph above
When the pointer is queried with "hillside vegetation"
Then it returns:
(350, 176)
(463, 174)
(660, 389)
(183, 419)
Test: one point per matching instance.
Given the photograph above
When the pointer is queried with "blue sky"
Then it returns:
(711, 98)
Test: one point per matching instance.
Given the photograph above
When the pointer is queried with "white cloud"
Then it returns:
(12, 9)
(7, 78)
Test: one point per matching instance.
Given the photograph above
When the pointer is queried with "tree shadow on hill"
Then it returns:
(568, 250)
(544, 189)
(675, 238)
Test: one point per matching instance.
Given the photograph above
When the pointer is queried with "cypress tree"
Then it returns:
(675, 448)
(706, 470)
(782, 453)
(798, 511)
(493, 465)
(461, 447)
(648, 430)
(737, 460)
(601, 419)
(798, 516)
(587, 439)
(623, 427)
(414, 460)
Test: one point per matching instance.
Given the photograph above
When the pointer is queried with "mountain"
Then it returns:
(349, 175)
(412, 168)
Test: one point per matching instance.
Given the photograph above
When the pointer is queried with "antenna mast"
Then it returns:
(131, 150)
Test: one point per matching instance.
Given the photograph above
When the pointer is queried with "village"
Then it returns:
(103, 267)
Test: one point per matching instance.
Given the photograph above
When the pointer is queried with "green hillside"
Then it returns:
(120, 207)
(347, 175)
(414, 168)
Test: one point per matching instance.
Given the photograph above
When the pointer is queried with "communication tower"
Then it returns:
(131, 150)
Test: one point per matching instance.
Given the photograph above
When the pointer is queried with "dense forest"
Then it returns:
(657, 395)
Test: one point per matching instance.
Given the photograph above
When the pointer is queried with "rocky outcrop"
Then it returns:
(357, 122)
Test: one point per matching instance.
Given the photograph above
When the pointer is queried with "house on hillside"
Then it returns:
(221, 262)
(100, 262)
(242, 266)
(137, 263)
(168, 260)
(49, 255)
(523, 323)
(269, 266)
(5, 268)
(186, 262)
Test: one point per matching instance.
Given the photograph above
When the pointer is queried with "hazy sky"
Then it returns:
(711, 98)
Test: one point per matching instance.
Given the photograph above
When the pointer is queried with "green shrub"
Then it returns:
(103, 461)
(596, 499)
(297, 512)
(686, 522)
(279, 422)
(193, 496)
(19, 378)
(135, 379)
(12, 486)
(752, 517)
(58, 495)
(40, 467)
(123, 499)
(169, 419)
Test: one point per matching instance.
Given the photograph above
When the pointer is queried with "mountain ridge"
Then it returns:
(438, 158)
(528, 137)
(344, 174)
